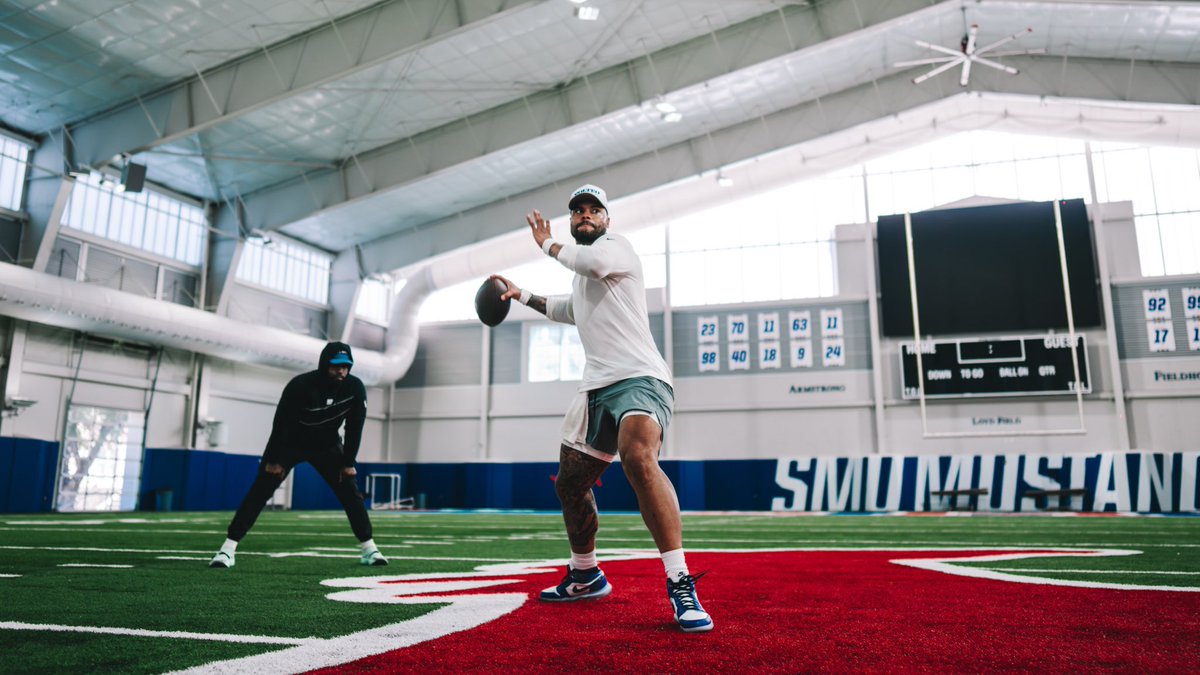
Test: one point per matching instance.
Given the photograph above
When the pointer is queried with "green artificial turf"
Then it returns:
(275, 589)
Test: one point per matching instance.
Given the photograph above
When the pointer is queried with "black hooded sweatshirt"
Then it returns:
(312, 408)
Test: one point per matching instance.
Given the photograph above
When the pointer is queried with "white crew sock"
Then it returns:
(229, 546)
(584, 561)
(675, 565)
(369, 545)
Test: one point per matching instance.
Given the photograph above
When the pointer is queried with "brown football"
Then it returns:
(488, 305)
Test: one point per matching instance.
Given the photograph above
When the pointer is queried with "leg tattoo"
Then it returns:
(577, 473)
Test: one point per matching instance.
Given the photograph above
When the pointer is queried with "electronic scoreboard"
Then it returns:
(1006, 366)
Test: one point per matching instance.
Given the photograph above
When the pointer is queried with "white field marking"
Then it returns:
(465, 608)
(9, 576)
(1052, 571)
(947, 566)
(182, 557)
(356, 550)
(177, 634)
(208, 554)
(98, 521)
(885, 545)
(93, 565)
(97, 549)
(112, 530)
(219, 535)
(990, 527)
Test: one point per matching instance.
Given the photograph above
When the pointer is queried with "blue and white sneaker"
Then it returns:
(690, 616)
(578, 585)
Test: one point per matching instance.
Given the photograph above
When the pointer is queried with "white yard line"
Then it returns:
(139, 632)
(1063, 571)
(94, 565)
(952, 566)
(168, 554)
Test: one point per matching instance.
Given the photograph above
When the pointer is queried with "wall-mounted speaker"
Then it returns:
(133, 177)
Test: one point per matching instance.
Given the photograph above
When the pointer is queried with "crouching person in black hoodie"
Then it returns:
(311, 410)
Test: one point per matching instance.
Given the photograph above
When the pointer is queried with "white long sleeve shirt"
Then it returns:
(608, 305)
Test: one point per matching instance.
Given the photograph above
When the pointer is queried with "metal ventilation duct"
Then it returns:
(55, 301)
(47, 299)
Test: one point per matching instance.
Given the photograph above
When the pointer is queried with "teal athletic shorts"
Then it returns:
(609, 405)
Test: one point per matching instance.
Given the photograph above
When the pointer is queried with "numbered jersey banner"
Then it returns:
(739, 356)
(831, 322)
(1191, 303)
(768, 326)
(709, 358)
(737, 328)
(802, 354)
(769, 355)
(1193, 334)
(833, 351)
(1156, 304)
(1160, 335)
(801, 324)
(706, 329)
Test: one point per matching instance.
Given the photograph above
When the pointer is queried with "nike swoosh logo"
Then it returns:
(576, 589)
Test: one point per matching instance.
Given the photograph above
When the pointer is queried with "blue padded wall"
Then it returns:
(198, 480)
(533, 486)
(201, 480)
(27, 474)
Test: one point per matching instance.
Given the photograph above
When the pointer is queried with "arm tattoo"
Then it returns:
(538, 303)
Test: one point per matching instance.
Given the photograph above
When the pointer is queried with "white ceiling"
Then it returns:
(407, 128)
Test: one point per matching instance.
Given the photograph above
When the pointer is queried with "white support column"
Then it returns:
(873, 317)
(485, 391)
(1106, 301)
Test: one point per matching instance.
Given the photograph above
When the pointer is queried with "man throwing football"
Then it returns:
(623, 406)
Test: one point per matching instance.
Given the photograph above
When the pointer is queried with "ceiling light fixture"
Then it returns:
(587, 13)
(723, 180)
(672, 116)
(966, 54)
(664, 107)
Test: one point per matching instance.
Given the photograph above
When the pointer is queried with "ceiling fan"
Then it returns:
(967, 54)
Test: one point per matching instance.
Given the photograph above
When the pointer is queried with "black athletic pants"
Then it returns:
(329, 465)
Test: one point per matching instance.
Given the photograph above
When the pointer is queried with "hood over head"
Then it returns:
(336, 353)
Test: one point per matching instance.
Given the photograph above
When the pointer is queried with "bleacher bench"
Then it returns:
(972, 494)
(1042, 497)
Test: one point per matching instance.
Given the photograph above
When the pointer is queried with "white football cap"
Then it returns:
(589, 190)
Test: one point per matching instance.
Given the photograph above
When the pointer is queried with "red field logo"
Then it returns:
(775, 612)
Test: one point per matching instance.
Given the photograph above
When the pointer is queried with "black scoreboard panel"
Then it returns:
(1007, 254)
(1007, 366)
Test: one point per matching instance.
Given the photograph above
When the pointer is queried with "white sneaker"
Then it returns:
(222, 559)
(373, 558)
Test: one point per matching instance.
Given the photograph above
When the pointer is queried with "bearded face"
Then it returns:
(589, 222)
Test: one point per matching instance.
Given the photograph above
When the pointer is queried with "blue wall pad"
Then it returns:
(1110, 482)
(27, 475)
(195, 480)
